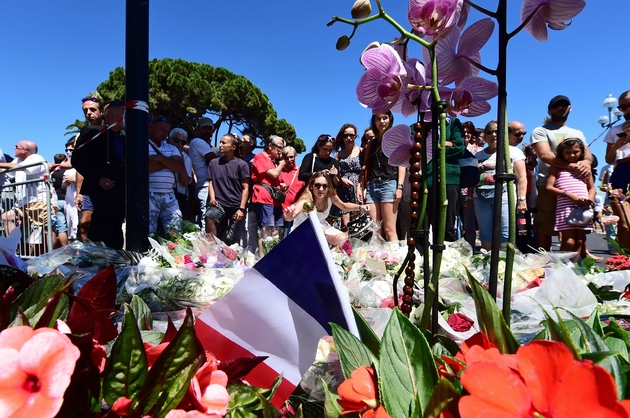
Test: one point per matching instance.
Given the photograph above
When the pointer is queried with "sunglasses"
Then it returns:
(320, 186)
(161, 119)
(326, 138)
(349, 136)
(22, 148)
(69, 150)
(520, 133)
(623, 107)
(114, 103)
(92, 99)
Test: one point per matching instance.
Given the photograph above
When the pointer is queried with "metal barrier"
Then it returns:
(26, 204)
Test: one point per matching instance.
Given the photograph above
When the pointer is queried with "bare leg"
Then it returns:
(389, 211)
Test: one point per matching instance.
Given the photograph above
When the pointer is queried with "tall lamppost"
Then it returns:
(610, 103)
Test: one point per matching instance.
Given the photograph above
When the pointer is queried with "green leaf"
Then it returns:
(594, 322)
(593, 343)
(615, 330)
(268, 410)
(332, 409)
(598, 356)
(443, 398)
(172, 394)
(490, 319)
(127, 367)
(618, 346)
(152, 337)
(406, 367)
(33, 301)
(241, 396)
(57, 307)
(142, 313)
(352, 352)
(170, 367)
(616, 245)
(602, 294)
(368, 337)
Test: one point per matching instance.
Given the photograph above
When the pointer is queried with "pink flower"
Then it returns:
(35, 370)
(171, 246)
(380, 87)
(470, 97)
(180, 413)
(434, 17)
(209, 389)
(552, 14)
(460, 322)
(122, 406)
(453, 52)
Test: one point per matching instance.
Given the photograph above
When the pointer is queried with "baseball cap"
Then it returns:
(205, 122)
(557, 99)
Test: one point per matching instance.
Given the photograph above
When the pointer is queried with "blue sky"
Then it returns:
(56, 52)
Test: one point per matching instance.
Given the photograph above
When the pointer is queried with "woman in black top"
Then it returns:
(320, 160)
(382, 182)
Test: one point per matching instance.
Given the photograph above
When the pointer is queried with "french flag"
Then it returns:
(281, 309)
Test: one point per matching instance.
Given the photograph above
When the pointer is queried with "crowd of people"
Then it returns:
(244, 197)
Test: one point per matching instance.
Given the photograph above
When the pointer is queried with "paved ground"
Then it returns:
(595, 244)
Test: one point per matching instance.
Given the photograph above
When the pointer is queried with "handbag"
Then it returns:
(360, 227)
(580, 216)
(276, 194)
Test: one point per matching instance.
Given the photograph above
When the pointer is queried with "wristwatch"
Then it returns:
(522, 198)
(400, 187)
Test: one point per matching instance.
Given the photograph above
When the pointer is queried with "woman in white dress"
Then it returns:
(320, 195)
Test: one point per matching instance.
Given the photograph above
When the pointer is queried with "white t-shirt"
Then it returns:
(183, 188)
(34, 192)
(554, 135)
(162, 180)
(611, 137)
(488, 163)
(198, 150)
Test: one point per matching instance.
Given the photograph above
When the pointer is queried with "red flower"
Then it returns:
(547, 382)
(460, 322)
(358, 394)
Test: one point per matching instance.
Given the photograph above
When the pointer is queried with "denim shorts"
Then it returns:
(87, 203)
(380, 191)
(268, 215)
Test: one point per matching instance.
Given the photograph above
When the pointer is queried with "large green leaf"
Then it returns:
(170, 369)
(369, 338)
(332, 409)
(352, 352)
(173, 394)
(406, 368)
(615, 330)
(34, 300)
(593, 343)
(127, 367)
(142, 313)
(490, 319)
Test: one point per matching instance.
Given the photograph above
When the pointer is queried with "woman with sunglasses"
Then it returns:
(320, 160)
(320, 195)
(483, 197)
(348, 154)
(618, 152)
(381, 183)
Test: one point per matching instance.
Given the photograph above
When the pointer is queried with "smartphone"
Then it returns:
(622, 135)
(626, 116)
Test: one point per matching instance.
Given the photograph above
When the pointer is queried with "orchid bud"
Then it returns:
(361, 9)
(342, 43)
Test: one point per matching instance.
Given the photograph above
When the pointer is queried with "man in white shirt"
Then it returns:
(201, 154)
(544, 140)
(31, 199)
(164, 161)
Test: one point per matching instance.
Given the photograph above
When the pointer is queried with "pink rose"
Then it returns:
(460, 322)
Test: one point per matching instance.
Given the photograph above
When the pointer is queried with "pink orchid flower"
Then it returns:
(411, 99)
(397, 144)
(35, 370)
(470, 97)
(380, 87)
(552, 14)
(452, 52)
(434, 18)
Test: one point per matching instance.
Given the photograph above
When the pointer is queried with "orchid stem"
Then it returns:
(481, 9)
(480, 66)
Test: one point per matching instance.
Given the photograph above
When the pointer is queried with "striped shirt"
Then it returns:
(162, 180)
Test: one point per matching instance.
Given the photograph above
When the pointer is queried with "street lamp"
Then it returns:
(610, 103)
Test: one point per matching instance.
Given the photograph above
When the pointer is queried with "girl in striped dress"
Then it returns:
(570, 190)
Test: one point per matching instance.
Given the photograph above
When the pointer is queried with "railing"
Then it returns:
(26, 204)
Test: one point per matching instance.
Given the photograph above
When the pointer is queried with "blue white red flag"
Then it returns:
(280, 309)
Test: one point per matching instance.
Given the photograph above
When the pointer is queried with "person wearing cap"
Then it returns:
(201, 154)
(544, 141)
(101, 163)
(165, 161)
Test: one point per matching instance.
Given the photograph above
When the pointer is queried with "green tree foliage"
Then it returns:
(75, 128)
(185, 91)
